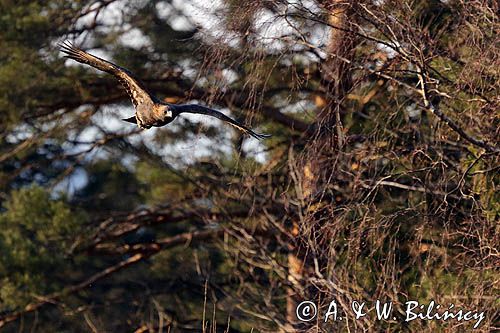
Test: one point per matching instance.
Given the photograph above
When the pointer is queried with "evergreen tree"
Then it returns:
(380, 180)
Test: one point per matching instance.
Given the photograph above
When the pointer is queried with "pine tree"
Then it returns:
(379, 182)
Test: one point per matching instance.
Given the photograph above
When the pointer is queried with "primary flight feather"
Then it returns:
(149, 110)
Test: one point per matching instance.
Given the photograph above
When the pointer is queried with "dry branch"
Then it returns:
(147, 250)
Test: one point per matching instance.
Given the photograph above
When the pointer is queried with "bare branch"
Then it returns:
(147, 250)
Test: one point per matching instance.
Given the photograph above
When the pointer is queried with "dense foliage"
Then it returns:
(380, 180)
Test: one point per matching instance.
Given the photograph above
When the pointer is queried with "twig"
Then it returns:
(438, 113)
(152, 250)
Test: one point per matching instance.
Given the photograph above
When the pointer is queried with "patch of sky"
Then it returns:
(135, 39)
(413, 111)
(256, 150)
(71, 184)
(301, 107)
(389, 50)
(203, 13)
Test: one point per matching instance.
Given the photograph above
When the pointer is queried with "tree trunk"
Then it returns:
(317, 166)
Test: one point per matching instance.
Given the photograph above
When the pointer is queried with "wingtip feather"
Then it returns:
(66, 45)
(72, 51)
(259, 136)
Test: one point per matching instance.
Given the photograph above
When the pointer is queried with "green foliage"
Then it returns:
(407, 209)
(36, 233)
(160, 185)
(110, 186)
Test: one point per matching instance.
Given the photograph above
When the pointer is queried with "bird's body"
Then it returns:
(149, 110)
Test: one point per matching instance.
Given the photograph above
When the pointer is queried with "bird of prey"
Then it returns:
(149, 110)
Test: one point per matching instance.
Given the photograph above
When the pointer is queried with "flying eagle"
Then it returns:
(149, 110)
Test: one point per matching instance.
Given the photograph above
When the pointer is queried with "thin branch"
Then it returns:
(424, 93)
(152, 249)
(438, 113)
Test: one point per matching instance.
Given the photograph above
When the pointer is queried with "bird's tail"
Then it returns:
(132, 120)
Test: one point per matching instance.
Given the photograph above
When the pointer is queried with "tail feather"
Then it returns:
(132, 120)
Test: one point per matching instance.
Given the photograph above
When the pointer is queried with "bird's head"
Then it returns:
(163, 112)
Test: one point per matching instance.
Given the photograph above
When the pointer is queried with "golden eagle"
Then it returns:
(149, 110)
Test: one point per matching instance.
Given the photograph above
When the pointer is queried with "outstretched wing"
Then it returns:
(135, 89)
(198, 109)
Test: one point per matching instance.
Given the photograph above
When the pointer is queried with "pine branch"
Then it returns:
(148, 251)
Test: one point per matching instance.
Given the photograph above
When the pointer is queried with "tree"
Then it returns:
(380, 180)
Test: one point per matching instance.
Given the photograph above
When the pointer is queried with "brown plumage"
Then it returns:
(149, 110)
